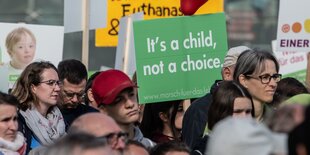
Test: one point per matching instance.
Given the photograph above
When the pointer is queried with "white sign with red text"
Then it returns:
(294, 26)
(292, 64)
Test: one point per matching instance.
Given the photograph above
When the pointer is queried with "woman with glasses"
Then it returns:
(258, 72)
(37, 90)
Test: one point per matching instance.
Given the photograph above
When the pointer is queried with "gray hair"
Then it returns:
(252, 61)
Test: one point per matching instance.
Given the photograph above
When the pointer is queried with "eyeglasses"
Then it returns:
(265, 79)
(52, 82)
(113, 138)
(80, 95)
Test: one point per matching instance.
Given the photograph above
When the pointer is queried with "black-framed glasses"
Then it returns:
(52, 82)
(265, 79)
(113, 138)
(80, 95)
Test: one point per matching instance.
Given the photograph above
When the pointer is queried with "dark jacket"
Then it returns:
(23, 128)
(195, 118)
(71, 114)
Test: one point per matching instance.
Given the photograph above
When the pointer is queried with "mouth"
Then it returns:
(132, 113)
(54, 96)
(27, 57)
(271, 92)
(11, 135)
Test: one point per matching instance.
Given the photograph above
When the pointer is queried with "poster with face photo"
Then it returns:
(21, 44)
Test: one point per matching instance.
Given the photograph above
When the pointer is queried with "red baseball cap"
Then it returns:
(108, 84)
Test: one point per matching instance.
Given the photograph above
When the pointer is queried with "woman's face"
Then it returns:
(179, 117)
(260, 92)
(23, 51)
(48, 90)
(8, 122)
(242, 107)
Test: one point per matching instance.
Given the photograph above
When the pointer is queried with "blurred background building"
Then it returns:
(249, 22)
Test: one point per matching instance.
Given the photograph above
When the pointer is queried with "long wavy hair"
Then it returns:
(30, 76)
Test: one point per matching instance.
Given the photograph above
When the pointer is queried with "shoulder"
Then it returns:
(138, 136)
(86, 108)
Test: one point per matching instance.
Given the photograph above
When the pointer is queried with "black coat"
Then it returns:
(195, 119)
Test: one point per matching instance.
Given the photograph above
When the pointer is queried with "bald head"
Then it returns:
(96, 124)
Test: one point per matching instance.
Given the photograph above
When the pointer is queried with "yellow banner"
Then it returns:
(151, 8)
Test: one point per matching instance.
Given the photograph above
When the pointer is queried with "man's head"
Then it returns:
(230, 61)
(73, 75)
(135, 148)
(89, 97)
(79, 144)
(115, 95)
(170, 148)
(100, 125)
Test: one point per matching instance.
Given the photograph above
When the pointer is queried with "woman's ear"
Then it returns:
(243, 81)
(33, 88)
(163, 117)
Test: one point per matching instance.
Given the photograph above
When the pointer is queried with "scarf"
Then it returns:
(17, 147)
(48, 129)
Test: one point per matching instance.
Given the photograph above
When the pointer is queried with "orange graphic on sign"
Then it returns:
(296, 27)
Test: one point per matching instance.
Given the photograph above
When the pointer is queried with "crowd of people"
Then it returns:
(60, 111)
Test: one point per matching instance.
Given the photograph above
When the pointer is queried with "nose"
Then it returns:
(13, 125)
(27, 49)
(129, 102)
(75, 98)
(273, 82)
(120, 144)
(57, 87)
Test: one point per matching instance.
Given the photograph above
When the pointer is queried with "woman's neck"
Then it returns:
(43, 109)
(167, 132)
(258, 109)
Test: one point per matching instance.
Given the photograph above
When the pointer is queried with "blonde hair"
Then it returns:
(15, 36)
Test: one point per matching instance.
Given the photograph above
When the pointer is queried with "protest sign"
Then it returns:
(43, 43)
(151, 8)
(179, 58)
(294, 26)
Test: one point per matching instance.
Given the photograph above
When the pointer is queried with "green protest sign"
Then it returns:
(179, 58)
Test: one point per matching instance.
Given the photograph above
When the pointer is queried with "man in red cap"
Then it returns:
(116, 96)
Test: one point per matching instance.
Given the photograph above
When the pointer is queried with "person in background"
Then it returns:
(135, 148)
(196, 116)
(244, 136)
(101, 125)
(12, 141)
(299, 137)
(170, 148)
(37, 90)
(80, 144)
(286, 118)
(258, 72)
(21, 46)
(73, 75)
(236, 103)
(287, 87)
(162, 121)
(89, 97)
(116, 96)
